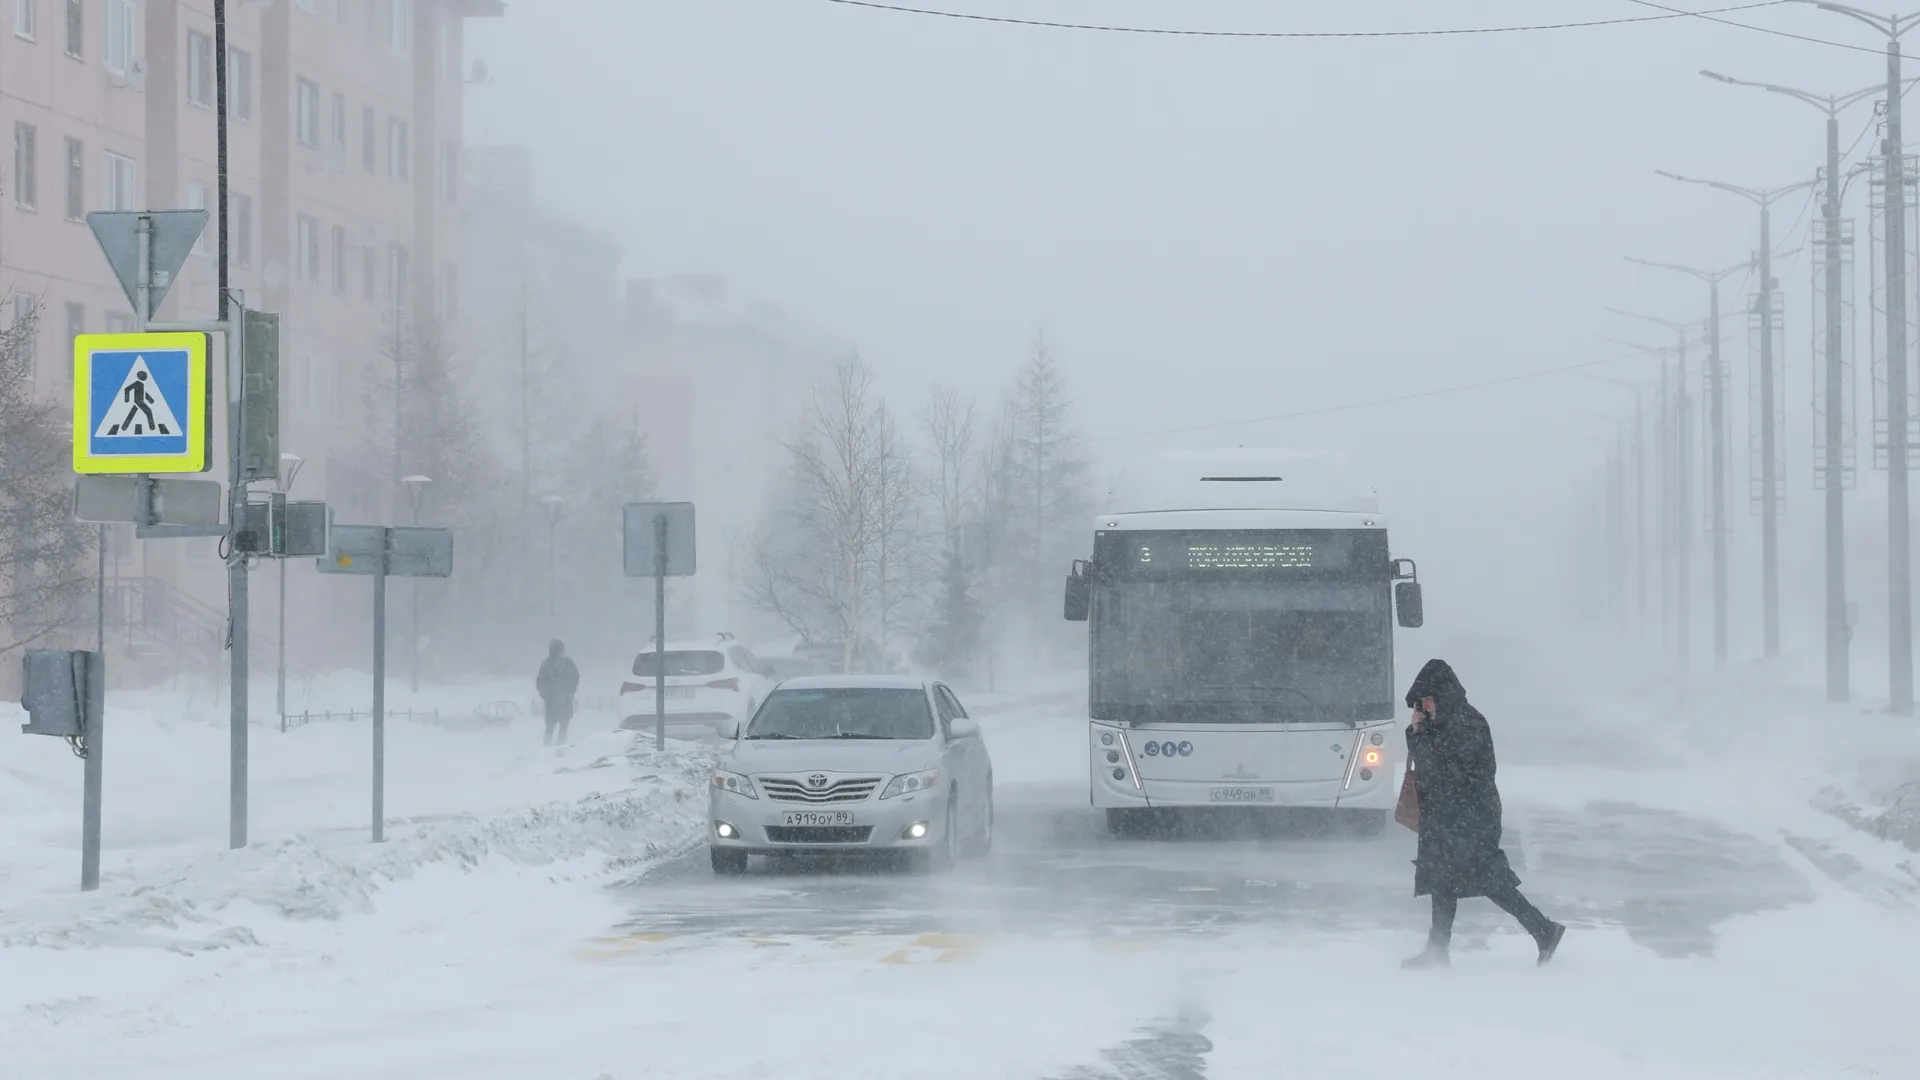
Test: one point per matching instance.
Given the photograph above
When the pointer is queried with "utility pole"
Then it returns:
(1770, 487)
(1833, 470)
(1717, 423)
(1899, 437)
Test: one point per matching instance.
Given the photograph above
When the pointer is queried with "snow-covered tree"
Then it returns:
(44, 553)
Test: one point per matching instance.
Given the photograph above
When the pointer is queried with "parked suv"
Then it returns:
(713, 687)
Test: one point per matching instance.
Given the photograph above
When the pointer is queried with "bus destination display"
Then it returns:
(1204, 554)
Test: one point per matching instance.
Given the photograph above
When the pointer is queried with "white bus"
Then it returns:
(1240, 609)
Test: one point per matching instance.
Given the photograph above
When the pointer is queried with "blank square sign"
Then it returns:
(640, 533)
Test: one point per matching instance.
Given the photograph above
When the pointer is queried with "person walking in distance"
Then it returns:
(557, 683)
(1450, 750)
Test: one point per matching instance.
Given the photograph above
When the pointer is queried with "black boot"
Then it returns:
(1550, 942)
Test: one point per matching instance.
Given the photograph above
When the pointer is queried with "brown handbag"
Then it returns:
(1407, 810)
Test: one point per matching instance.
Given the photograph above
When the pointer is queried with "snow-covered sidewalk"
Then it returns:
(461, 795)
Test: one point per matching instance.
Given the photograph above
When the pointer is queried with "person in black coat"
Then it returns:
(1450, 750)
(557, 682)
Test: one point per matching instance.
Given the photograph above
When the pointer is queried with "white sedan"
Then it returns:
(854, 763)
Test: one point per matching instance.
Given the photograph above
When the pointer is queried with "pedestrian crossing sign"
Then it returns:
(140, 403)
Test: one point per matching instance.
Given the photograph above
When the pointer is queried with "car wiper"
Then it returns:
(859, 735)
(775, 735)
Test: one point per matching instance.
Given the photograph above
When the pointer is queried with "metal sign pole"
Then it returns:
(660, 632)
(96, 713)
(380, 689)
(237, 629)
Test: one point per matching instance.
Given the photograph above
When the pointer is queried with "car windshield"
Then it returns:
(679, 663)
(843, 713)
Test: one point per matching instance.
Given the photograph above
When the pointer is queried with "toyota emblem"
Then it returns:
(816, 781)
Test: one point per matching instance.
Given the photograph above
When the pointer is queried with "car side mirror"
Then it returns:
(1079, 599)
(1407, 602)
(963, 727)
(729, 730)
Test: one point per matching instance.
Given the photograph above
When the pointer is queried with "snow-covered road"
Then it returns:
(1721, 928)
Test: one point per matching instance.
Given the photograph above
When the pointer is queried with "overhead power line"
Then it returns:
(1714, 16)
(1163, 31)
(1419, 395)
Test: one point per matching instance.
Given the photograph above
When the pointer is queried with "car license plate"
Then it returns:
(679, 692)
(1242, 794)
(816, 817)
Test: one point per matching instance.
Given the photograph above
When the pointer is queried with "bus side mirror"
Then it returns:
(1406, 600)
(1079, 592)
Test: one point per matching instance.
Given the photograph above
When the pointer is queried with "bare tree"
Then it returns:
(44, 570)
(900, 566)
(948, 422)
(815, 564)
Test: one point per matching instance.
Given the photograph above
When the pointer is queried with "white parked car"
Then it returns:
(713, 686)
(854, 763)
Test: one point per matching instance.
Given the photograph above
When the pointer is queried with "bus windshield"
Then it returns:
(1266, 645)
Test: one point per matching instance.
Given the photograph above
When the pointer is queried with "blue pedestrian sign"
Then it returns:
(140, 403)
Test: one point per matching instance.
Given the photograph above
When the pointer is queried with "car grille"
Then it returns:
(857, 789)
(819, 834)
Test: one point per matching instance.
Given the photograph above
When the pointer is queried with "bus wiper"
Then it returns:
(857, 735)
(775, 735)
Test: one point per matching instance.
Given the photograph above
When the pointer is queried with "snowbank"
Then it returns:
(458, 795)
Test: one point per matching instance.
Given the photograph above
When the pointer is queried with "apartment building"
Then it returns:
(343, 171)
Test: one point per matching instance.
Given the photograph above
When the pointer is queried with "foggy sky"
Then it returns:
(1214, 229)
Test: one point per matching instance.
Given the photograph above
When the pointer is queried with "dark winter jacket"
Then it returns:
(1453, 772)
(557, 683)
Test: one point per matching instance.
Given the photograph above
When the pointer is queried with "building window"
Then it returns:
(199, 69)
(197, 200)
(449, 289)
(369, 274)
(119, 52)
(399, 269)
(76, 321)
(339, 260)
(241, 233)
(76, 28)
(118, 322)
(369, 140)
(303, 384)
(450, 171)
(239, 84)
(25, 18)
(400, 26)
(396, 148)
(117, 191)
(307, 5)
(76, 180)
(307, 247)
(25, 312)
(339, 126)
(307, 112)
(26, 166)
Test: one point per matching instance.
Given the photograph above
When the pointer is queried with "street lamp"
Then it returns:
(554, 505)
(283, 483)
(1676, 579)
(1832, 470)
(1717, 423)
(1899, 417)
(1769, 436)
(416, 486)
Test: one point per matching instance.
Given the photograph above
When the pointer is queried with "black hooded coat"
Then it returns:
(1453, 772)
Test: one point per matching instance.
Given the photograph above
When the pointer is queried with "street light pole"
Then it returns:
(283, 482)
(1717, 423)
(1769, 435)
(1832, 469)
(1899, 438)
(1675, 536)
(416, 490)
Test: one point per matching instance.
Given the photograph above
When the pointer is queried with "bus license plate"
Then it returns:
(1242, 794)
(811, 817)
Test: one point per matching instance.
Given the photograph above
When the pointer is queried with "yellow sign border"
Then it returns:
(197, 458)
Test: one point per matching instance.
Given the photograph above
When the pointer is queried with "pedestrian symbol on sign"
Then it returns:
(137, 410)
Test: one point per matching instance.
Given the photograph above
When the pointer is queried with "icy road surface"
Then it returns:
(1721, 928)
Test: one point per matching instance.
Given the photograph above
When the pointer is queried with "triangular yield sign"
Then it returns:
(173, 237)
(139, 409)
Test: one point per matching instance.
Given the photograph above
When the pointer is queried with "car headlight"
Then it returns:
(907, 783)
(734, 782)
